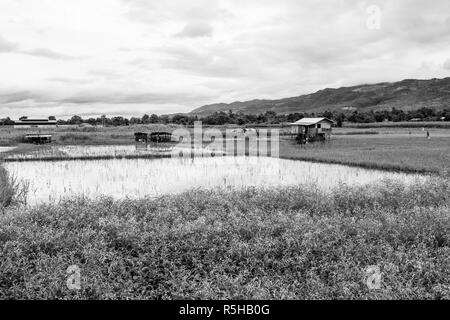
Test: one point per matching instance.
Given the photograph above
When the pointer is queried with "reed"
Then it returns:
(12, 192)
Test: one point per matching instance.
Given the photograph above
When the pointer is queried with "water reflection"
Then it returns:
(49, 181)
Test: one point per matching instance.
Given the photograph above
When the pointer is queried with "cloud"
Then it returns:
(97, 96)
(66, 80)
(447, 64)
(195, 30)
(7, 46)
(18, 96)
(139, 55)
(129, 98)
(47, 53)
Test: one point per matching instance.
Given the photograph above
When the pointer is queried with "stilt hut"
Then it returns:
(312, 129)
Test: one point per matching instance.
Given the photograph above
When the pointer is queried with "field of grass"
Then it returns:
(73, 135)
(405, 124)
(386, 148)
(396, 150)
(288, 243)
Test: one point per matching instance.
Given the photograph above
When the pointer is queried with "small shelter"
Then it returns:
(37, 138)
(312, 129)
(160, 137)
(141, 137)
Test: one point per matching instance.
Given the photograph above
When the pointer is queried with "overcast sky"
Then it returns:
(130, 57)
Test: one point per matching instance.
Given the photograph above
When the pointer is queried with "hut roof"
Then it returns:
(310, 121)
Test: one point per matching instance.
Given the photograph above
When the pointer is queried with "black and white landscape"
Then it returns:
(224, 149)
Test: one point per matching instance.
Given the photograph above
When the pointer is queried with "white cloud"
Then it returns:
(196, 29)
(447, 64)
(6, 46)
(135, 56)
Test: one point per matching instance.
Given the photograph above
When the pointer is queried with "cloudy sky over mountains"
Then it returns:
(130, 57)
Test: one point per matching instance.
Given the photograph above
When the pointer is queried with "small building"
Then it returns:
(141, 137)
(37, 138)
(153, 137)
(312, 129)
(160, 137)
(24, 122)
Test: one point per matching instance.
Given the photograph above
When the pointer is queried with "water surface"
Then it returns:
(134, 178)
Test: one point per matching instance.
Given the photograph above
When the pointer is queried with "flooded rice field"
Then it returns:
(5, 149)
(50, 181)
(103, 151)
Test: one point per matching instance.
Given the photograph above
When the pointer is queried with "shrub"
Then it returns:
(11, 191)
(282, 243)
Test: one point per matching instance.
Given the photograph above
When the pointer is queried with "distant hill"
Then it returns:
(406, 95)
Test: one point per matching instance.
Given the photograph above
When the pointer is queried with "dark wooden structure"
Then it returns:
(37, 138)
(160, 137)
(153, 137)
(141, 137)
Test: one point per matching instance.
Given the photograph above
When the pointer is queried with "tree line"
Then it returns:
(269, 117)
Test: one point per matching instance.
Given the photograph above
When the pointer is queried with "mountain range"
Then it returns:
(407, 94)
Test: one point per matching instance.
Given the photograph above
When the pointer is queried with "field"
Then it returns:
(272, 242)
(288, 243)
(388, 148)
(74, 135)
(393, 149)
(406, 124)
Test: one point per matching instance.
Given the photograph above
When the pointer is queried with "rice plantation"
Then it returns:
(49, 181)
(238, 151)
(146, 223)
(90, 152)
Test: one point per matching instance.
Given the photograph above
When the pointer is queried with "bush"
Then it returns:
(285, 243)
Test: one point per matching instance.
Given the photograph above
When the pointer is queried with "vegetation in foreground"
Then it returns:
(12, 192)
(288, 243)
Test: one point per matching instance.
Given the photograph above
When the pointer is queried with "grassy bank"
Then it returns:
(289, 243)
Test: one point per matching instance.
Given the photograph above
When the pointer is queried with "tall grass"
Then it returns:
(12, 192)
(405, 124)
(286, 243)
(74, 137)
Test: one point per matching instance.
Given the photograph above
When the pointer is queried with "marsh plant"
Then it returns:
(12, 191)
(292, 242)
